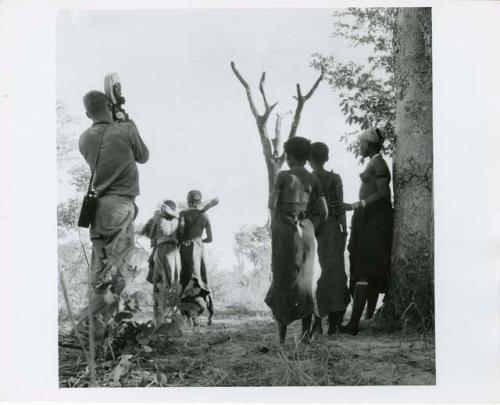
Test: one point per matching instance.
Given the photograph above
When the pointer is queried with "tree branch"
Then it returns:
(261, 88)
(300, 103)
(268, 108)
(247, 89)
(316, 84)
(276, 141)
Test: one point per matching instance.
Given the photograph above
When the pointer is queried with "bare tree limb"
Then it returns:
(247, 89)
(268, 108)
(300, 104)
(271, 147)
(261, 88)
(277, 133)
(316, 84)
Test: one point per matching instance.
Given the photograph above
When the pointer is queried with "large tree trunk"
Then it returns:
(410, 301)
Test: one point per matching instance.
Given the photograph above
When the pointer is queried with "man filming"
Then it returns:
(112, 149)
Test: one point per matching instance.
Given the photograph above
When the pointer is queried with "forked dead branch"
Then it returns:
(272, 148)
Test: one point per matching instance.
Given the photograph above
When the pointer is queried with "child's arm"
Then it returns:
(208, 231)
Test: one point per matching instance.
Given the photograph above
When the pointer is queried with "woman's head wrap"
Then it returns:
(319, 152)
(373, 135)
(169, 208)
(194, 197)
(298, 147)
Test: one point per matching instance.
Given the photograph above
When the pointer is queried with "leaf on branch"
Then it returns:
(192, 292)
(179, 319)
(147, 349)
(170, 329)
(187, 306)
(143, 338)
(120, 316)
(166, 297)
(117, 373)
(162, 379)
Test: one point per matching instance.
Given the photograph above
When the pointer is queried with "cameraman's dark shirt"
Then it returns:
(121, 148)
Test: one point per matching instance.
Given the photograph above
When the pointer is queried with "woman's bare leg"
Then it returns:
(317, 326)
(371, 302)
(281, 332)
(306, 329)
(335, 319)
(358, 306)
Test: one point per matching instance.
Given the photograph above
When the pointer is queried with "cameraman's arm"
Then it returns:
(141, 152)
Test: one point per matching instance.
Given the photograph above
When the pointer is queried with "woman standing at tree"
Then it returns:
(295, 194)
(332, 294)
(371, 231)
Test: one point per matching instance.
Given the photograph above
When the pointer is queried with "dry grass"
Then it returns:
(244, 352)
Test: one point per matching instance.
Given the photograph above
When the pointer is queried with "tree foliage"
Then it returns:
(66, 136)
(253, 253)
(69, 163)
(80, 177)
(366, 90)
(67, 212)
(252, 245)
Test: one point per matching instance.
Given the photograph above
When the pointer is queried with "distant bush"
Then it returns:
(243, 289)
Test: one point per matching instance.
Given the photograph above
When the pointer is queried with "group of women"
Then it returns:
(308, 217)
(308, 212)
(177, 262)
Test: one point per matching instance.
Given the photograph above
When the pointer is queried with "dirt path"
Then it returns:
(243, 352)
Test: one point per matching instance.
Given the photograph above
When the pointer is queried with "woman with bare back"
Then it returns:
(193, 225)
(296, 195)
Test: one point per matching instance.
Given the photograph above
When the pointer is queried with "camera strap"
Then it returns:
(89, 189)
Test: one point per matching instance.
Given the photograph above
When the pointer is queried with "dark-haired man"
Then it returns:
(116, 147)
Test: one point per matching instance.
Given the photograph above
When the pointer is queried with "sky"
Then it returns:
(191, 110)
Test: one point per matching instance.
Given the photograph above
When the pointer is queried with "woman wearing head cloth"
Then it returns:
(166, 258)
(332, 294)
(371, 231)
(295, 195)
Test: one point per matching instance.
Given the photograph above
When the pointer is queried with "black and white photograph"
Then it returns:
(257, 215)
(280, 201)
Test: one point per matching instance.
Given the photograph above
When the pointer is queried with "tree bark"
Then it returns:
(410, 300)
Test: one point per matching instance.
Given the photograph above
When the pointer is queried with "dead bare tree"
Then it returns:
(273, 148)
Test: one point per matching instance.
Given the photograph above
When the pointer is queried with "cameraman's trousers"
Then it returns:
(112, 236)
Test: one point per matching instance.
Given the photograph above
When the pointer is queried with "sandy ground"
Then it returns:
(243, 351)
